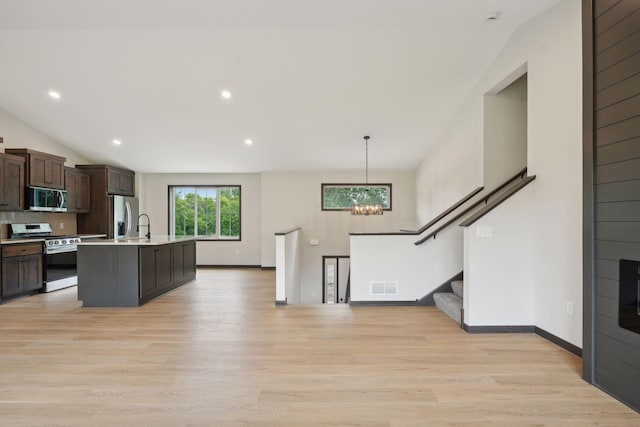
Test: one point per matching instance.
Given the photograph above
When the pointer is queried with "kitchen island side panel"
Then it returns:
(108, 276)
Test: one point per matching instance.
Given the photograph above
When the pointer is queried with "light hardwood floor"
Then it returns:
(217, 352)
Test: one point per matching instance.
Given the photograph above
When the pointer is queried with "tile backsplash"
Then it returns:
(68, 221)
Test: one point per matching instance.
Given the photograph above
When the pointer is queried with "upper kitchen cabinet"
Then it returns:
(78, 185)
(116, 180)
(121, 181)
(11, 183)
(42, 169)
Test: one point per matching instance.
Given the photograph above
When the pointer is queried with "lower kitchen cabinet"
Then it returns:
(184, 261)
(21, 269)
(156, 270)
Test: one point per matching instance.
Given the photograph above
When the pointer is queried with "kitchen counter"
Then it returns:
(18, 241)
(41, 239)
(137, 241)
(130, 272)
(92, 236)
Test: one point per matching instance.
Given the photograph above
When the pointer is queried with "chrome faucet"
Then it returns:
(148, 225)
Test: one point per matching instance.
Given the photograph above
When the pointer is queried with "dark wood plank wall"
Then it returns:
(616, 31)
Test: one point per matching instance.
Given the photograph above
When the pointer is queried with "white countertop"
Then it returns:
(41, 239)
(91, 236)
(136, 241)
(18, 241)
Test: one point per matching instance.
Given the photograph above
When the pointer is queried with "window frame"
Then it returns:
(171, 211)
(342, 185)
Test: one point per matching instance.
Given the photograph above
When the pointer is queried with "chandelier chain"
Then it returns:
(366, 160)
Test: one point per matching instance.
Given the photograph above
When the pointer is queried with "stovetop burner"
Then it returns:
(72, 237)
(56, 244)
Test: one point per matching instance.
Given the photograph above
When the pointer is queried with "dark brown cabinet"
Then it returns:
(42, 169)
(12, 182)
(156, 270)
(120, 181)
(184, 262)
(107, 179)
(104, 180)
(21, 268)
(78, 185)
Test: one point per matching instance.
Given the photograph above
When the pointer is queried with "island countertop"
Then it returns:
(137, 241)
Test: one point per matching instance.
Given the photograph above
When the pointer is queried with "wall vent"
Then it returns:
(384, 288)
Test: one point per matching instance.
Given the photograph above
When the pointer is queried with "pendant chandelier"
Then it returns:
(367, 209)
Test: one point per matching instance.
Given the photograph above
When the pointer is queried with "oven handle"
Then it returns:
(58, 251)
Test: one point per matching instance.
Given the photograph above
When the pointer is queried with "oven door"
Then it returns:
(60, 270)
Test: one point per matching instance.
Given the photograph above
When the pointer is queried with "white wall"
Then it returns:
(293, 199)
(550, 46)
(18, 134)
(505, 133)
(498, 270)
(417, 269)
(155, 200)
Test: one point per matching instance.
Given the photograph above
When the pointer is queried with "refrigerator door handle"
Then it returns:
(127, 206)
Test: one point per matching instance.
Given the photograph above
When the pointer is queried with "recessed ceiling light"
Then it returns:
(225, 94)
(248, 141)
(54, 94)
(493, 16)
(117, 142)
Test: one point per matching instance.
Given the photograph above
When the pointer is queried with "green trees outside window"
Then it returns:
(208, 212)
(344, 196)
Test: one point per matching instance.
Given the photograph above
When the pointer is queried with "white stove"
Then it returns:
(60, 254)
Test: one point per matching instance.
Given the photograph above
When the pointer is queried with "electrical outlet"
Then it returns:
(484, 232)
(62, 226)
(569, 308)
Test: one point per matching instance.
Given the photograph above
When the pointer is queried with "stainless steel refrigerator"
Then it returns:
(124, 212)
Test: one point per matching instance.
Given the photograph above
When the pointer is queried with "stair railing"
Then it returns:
(445, 213)
(497, 201)
(521, 175)
(425, 227)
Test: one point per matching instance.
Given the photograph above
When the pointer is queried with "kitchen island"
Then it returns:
(128, 272)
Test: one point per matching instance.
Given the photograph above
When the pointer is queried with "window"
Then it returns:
(341, 197)
(207, 212)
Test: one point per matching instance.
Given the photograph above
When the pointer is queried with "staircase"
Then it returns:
(451, 303)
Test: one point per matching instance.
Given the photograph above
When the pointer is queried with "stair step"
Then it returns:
(457, 286)
(450, 304)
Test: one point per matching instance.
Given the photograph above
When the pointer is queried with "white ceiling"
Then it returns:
(309, 77)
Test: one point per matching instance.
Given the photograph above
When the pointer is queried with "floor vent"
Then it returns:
(384, 288)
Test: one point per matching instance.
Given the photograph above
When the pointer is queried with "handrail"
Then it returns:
(445, 213)
(491, 206)
(287, 231)
(427, 225)
(520, 174)
(484, 199)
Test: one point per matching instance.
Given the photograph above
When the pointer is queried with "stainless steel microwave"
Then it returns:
(46, 199)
